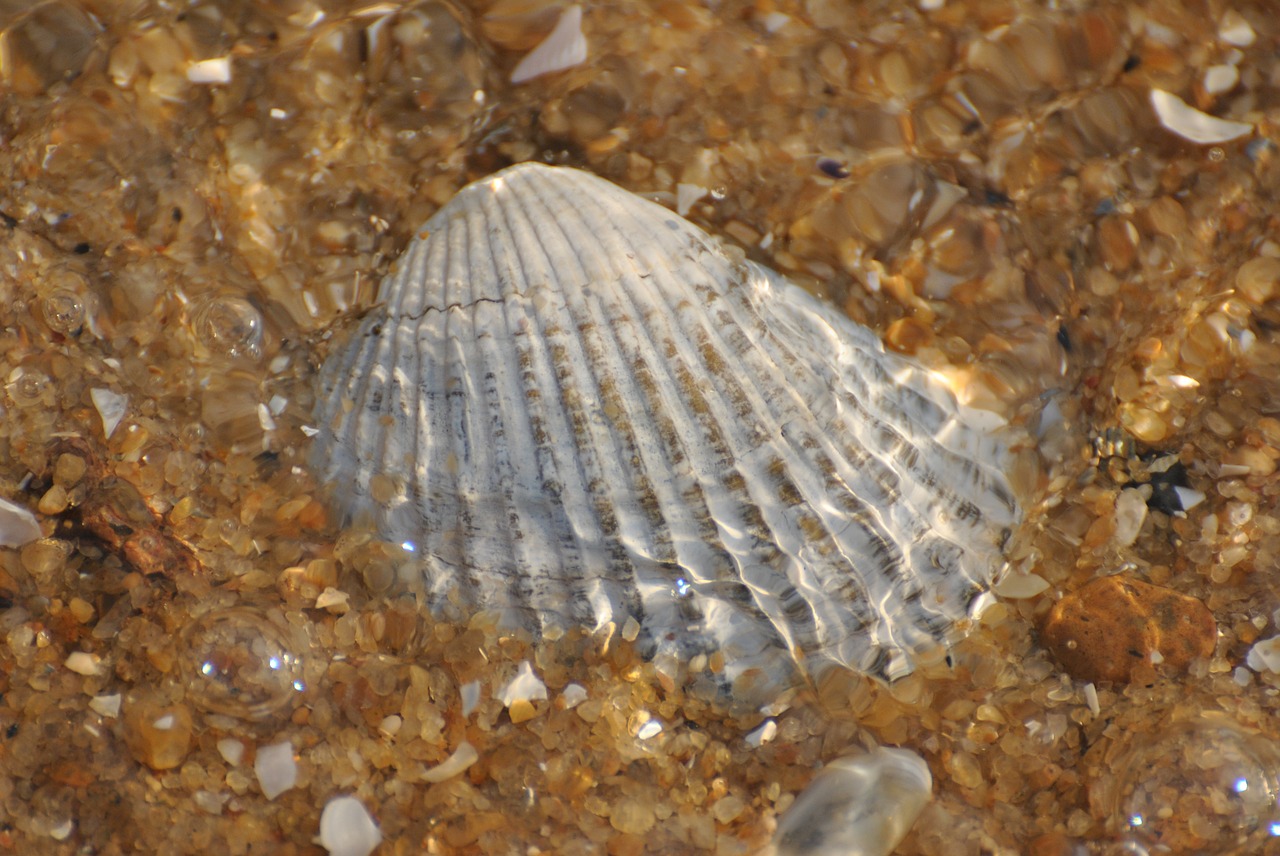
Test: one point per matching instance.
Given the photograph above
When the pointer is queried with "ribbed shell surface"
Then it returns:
(575, 408)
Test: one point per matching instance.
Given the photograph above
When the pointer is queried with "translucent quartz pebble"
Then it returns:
(237, 662)
(1202, 783)
(857, 806)
(580, 411)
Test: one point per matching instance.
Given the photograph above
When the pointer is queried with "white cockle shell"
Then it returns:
(575, 408)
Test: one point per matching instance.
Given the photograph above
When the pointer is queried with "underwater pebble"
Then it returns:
(346, 829)
(1130, 514)
(856, 806)
(106, 705)
(1107, 628)
(158, 735)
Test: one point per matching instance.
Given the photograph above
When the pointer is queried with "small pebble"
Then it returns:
(158, 735)
(346, 829)
(1111, 625)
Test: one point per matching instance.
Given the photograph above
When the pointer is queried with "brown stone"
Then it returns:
(158, 735)
(1111, 626)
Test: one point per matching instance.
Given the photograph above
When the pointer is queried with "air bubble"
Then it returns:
(237, 662)
(1203, 781)
(63, 311)
(229, 326)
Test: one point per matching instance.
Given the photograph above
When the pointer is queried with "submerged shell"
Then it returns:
(577, 409)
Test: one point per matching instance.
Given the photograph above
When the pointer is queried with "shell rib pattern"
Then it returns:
(576, 408)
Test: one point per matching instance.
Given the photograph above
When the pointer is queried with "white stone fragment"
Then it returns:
(1017, 586)
(775, 21)
(1264, 656)
(83, 663)
(563, 48)
(857, 806)
(391, 724)
(1220, 78)
(762, 733)
(525, 686)
(275, 768)
(932, 5)
(18, 526)
(1188, 498)
(470, 692)
(687, 195)
(1091, 699)
(1130, 514)
(216, 70)
(1191, 124)
(1235, 30)
(106, 705)
(462, 758)
(1242, 676)
(346, 829)
(111, 407)
(573, 695)
(231, 750)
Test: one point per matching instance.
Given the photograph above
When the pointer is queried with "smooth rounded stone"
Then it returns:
(575, 408)
(856, 806)
(1113, 625)
(346, 829)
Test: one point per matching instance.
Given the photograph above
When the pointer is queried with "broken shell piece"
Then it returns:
(584, 413)
(18, 526)
(1189, 123)
(111, 408)
(565, 47)
(859, 806)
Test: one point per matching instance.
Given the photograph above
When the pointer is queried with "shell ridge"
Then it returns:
(652, 523)
(694, 548)
(873, 426)
(906, 588)
(529, 226)
(541, 459)
(750, 456)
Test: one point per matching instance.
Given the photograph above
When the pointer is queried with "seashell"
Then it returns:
(576, 409)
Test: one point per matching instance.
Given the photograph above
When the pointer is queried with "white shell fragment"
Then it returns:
(276, 769)
(563, 48)
(580, 411)
(525, 686)
(1191, 124)
(111, 407)
(18, 526)
(858, 806)
(346, 829)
